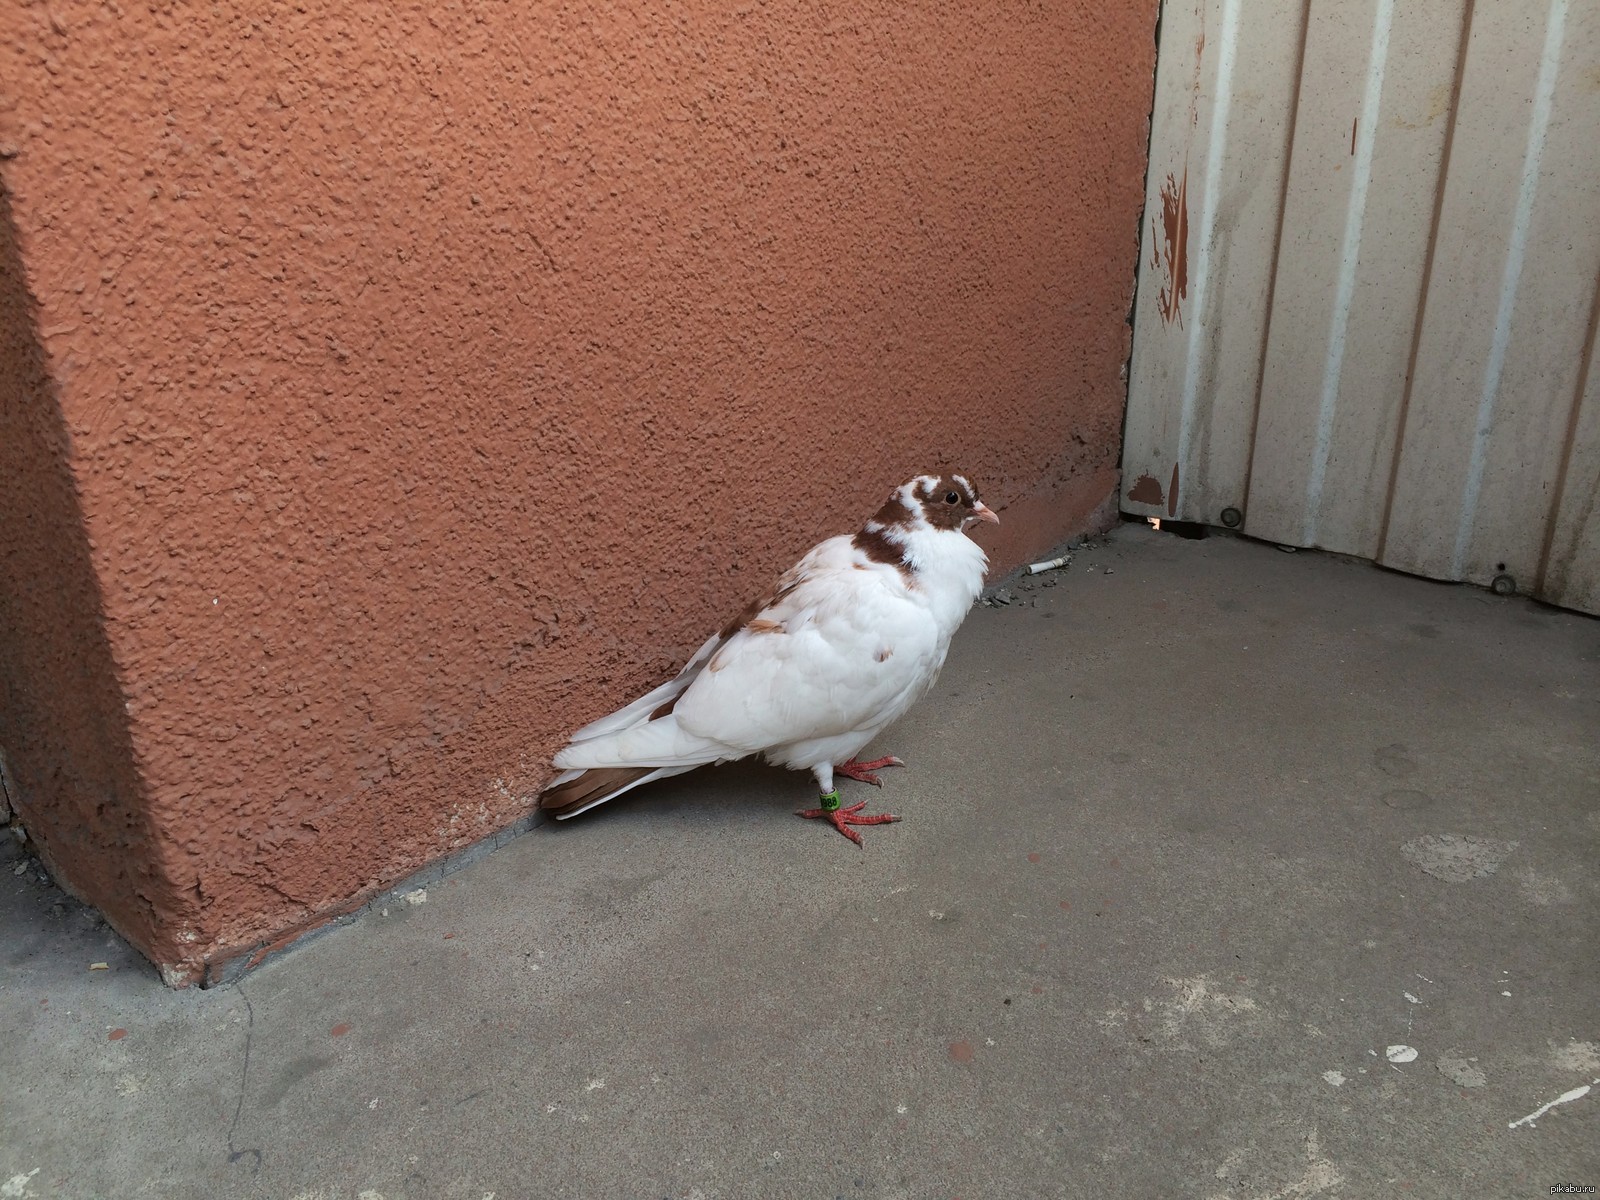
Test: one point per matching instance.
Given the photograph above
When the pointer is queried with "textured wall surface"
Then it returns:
(64, 739)
(429, 378)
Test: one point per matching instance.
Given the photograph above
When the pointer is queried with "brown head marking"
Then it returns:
(946, 501)
(896, 512)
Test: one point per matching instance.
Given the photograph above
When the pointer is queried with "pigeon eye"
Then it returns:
(951, 497)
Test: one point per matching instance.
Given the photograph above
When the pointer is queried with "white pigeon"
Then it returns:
(851, 637)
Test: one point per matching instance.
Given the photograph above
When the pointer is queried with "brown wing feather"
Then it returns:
(591, 787)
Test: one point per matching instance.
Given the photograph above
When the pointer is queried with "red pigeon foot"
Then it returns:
(843, 818)
(862, 772)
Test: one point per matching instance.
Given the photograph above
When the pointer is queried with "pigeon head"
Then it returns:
(937, 501)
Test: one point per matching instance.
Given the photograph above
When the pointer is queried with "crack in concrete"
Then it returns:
(234, 1154)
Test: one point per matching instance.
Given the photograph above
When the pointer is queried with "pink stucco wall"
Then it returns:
(426, 379)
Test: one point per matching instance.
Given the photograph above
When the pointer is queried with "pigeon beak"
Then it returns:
(984, 513)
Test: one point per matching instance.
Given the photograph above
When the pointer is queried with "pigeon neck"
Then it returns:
(885, 544)
(885, 538)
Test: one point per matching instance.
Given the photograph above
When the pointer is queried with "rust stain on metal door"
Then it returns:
(1146, 490)
(1171, 253)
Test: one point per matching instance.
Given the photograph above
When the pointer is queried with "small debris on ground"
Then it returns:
(1050, 564)
(99, 966)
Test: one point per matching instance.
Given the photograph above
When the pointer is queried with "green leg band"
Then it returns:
(830, 800)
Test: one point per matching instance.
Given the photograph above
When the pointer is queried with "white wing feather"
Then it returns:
(639, 711)
(831, 552)
(853, 649)
(849, 651)
(659, 743)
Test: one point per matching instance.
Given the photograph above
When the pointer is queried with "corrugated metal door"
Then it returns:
(1370, 284)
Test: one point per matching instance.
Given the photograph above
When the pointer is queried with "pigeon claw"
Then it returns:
(843, 818)
(862, 772)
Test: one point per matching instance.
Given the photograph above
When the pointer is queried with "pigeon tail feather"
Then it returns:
(578, 791)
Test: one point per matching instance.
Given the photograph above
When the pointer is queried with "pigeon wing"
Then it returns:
(844, 650)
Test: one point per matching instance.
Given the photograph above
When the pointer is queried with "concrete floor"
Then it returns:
(1198, 836)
